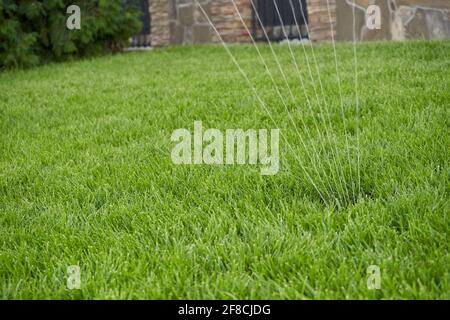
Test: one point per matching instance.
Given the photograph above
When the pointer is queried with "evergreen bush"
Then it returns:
(34, 32)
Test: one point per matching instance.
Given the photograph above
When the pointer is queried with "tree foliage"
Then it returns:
(34, 32)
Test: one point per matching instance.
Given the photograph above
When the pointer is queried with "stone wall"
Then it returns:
(177, 22)
(187, 23)
(400, 19)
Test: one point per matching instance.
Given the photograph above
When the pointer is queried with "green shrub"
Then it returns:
(34, 32)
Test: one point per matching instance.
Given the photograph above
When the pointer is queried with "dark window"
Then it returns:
(294, 18)
(141, 39)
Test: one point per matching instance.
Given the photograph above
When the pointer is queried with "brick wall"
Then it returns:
(228, 22)
(160, 31)
(319, 24)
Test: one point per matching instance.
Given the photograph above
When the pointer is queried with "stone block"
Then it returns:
(201, 34)
(176, 33)
(186, 14)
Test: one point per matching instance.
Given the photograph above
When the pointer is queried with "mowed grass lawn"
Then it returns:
(86, 176)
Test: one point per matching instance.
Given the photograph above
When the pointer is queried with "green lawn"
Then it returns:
(86, 176)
